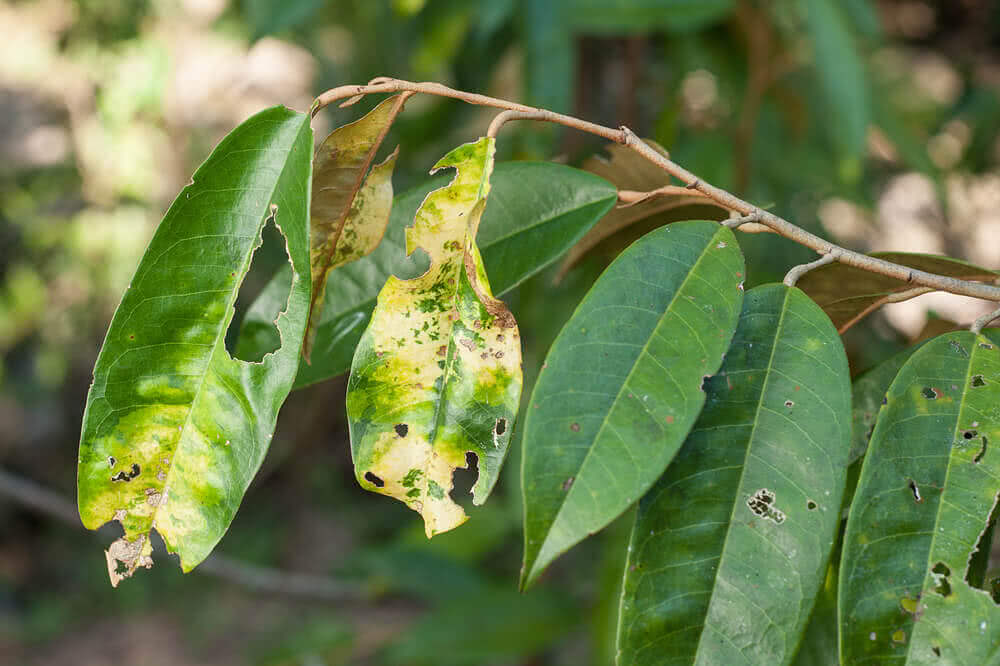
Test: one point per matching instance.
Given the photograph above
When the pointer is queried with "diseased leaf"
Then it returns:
(628, 171)
(437, 373)
(731, 545)
(848, 294)
(349, 212)
(622, 384)
(175, 428)
(927, 493)
(537, 210)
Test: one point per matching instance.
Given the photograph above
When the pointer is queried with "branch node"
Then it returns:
(737, 222)
(978, 325)
(693, 185)
(798, 271)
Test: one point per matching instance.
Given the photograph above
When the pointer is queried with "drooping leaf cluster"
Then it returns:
(725, 416)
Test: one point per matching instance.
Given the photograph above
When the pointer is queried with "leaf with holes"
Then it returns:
(437, 373)
(928, 491)
(848, 294)
(175, 428)
(731, 545)
(350, 206)
(622, 384)
(537, 211)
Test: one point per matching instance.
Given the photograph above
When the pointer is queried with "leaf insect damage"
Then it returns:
(437, 373)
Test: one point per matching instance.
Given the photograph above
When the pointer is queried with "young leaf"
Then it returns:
(622, 384)
(437, 373)
(927, 492)
(349, 212)
(848, 294)
(731, 545)
(175, 428)
(537, 211)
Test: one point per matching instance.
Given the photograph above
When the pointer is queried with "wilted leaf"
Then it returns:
(848, 294)
(627, 170)
(537, 210)
(927, 494)
(731, 545)
(622, 384)
(437, 373)
(349, 212)
(175, 428)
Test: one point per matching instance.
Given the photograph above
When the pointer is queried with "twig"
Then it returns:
(798, 271)
(980, 324)
(257, 578)
(631, 197)
(506, 116)
(625, 136)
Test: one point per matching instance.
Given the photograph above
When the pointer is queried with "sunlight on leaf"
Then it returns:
(174, 428)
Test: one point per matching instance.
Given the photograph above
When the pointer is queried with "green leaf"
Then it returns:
(537, 211)
(622, 384)
(926, 494)
(175, 428)
(867, 394)
(848, 294)
(437, 373)
(349, 211)
(730, 547)
(842, 76)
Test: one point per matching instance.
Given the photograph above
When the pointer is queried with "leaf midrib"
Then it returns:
(635, 363)
(220, 337)
(743, 470)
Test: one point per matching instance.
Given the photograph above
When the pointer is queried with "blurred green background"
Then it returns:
(872, 122)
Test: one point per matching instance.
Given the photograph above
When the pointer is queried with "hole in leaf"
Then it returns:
(789, 403)
(978, 381)
(401, 429)
(915, 490)
(969, 434)
(979, 558)
(501, 427)
(127, 476)
(936, 650)
(260, 336)
(940, 573)
(371, 478)
(985, 345)
(929, 393)
(762, 504)
(811, 505)
(982, 452)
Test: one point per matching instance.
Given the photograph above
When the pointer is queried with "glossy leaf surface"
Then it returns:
(175, 428)
(350, 206)
(926, 493)
(536, 212)
(849, 294)
(622, 384)
(437, 373)
(730, 547)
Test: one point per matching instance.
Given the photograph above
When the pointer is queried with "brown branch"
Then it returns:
(252, 576)
(625, 136)
(980, 324)
(631, 197)
(798, 271)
